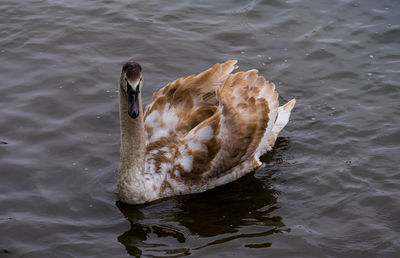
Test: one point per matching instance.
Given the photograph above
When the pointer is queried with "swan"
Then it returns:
(197, 133)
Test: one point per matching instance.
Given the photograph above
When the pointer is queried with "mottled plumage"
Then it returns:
(206, 130)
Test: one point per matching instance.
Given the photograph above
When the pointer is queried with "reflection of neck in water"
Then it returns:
(213, 217)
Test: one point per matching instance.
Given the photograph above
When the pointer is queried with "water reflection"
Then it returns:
(182, 225)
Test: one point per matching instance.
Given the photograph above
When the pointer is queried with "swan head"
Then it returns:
(131, 83)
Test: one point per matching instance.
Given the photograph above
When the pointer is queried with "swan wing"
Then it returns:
(228, 143)
(248, 106)
(173, 112)
(184, 103)
(209, 129)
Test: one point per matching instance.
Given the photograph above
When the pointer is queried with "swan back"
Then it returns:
(209, 129)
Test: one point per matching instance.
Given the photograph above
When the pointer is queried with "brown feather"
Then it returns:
(230, 104)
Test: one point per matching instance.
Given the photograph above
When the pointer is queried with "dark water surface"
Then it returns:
(330, 187)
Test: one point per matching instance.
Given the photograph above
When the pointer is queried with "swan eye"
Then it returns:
(138, 85)
(127, 84)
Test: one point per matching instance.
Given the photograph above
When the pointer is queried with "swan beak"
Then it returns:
(133, 102)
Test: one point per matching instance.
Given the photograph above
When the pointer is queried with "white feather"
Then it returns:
(185, 159)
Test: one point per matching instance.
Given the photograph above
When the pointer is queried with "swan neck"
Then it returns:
(132, 153)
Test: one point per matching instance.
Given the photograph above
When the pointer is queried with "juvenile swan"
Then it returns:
(197, 133)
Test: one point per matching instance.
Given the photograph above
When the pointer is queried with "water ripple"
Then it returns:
(328, 188)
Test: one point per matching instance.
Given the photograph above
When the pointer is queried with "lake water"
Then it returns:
(329, 188)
